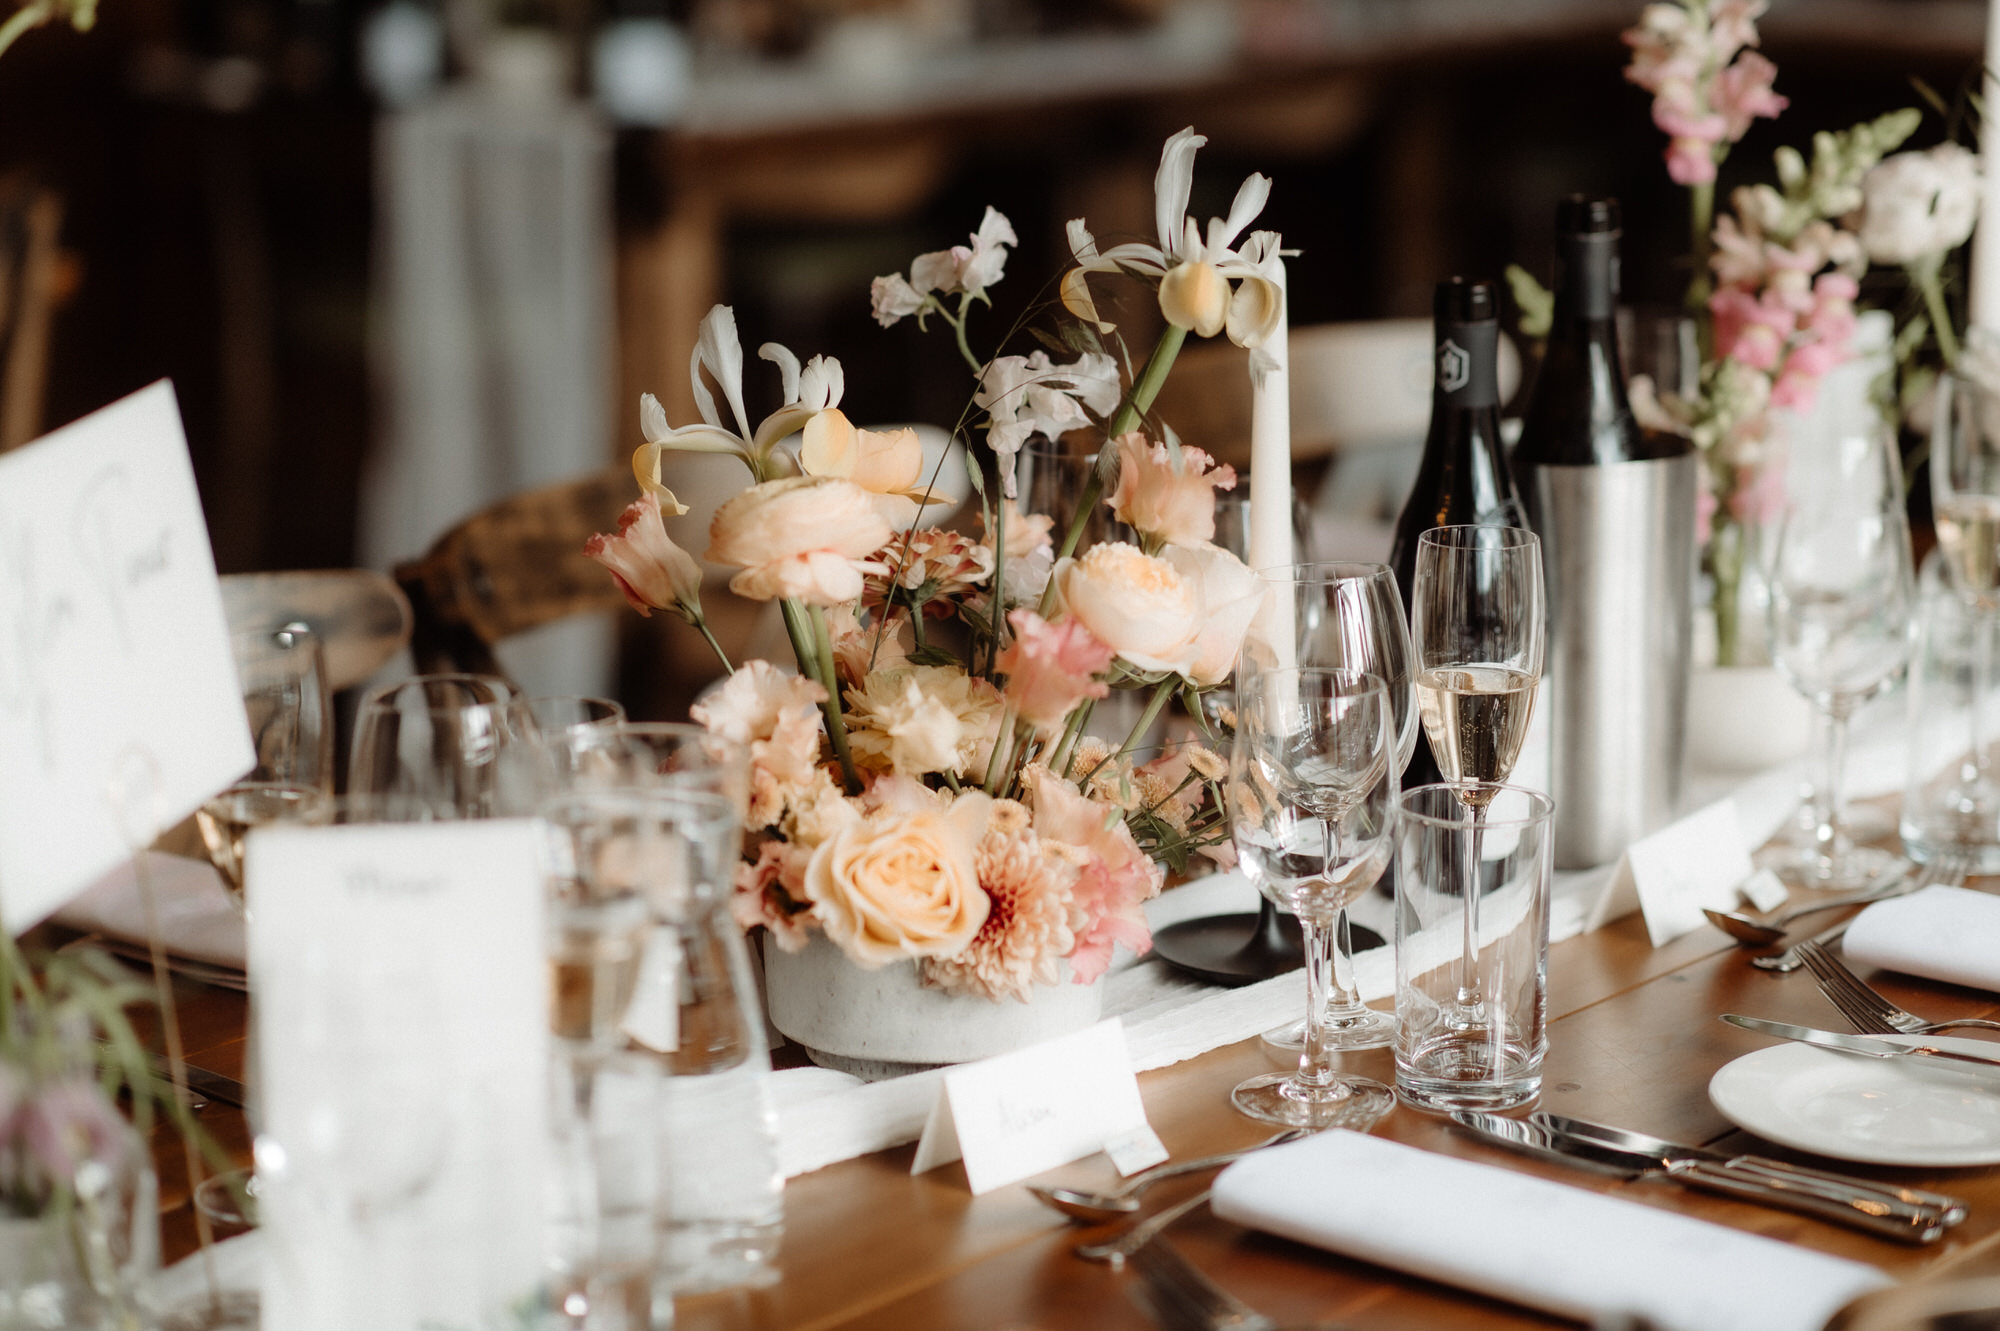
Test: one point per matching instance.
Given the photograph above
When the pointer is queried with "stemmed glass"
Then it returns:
(1843, 595)
(1312, 807)
(1965, 497)
(1342, 616)
(1477, 630)
(442, 747)
(289, 708)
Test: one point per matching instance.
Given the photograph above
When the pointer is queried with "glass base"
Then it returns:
(1461, 1069)
(1866, 823)
(1366, 1029)
(1859, 867)
(1348, 1102)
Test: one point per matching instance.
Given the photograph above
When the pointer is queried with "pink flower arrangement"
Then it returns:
(925, 790)
(1708, 86)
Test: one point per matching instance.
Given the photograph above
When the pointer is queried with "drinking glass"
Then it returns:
(1843, 595)
(1346, 616)
(1442, 1061)
(1965, 497)
(1312, 809)
(286, 701)
(1477, 631)
(443, 747)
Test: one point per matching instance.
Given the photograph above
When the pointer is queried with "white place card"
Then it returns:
(1017, 1114)
(1672, 874)
(402, 1038)
(119, 707)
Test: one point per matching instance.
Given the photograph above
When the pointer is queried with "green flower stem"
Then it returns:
(958, 330)
(1725, 566)
(836, 724)
(701, 624)
(1701, 221)
(1927, 273)
(1003, 744)
(1078, 718)
(999, 584)
(1154, 705)
(1136, 404)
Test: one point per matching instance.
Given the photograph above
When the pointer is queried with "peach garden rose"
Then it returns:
(902, 882)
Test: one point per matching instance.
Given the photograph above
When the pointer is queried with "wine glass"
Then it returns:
(1347, 616)
(1477, 635)
(286, 701)
(1843, 596)
(1965, 498)
(444, 747)
(1312, 808)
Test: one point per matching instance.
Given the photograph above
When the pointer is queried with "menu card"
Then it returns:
(119, 707)
(402, 1043)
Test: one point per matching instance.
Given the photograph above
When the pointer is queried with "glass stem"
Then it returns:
(1343, 1003)
(1829, 801)
(1316, 1075)
(1973, 773)
(1469, 997)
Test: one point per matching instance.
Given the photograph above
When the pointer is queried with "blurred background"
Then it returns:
(401, 261)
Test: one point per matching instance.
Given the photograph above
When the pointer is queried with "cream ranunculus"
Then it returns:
(1227, 597)
(902, 883)
(888, 464)
(1143, 608)
(807, 537)
(1919, 204)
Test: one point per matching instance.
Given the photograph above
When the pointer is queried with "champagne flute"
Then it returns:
(1346, 616)
(1477, 630)
(1312, 809)
(1965, 497)
(286, 701)
(1843, 596)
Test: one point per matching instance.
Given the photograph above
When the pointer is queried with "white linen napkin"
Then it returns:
(1532, 1242)
(199, 920)
(1940, 933)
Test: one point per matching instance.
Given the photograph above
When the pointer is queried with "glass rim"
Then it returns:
(1543, 806)
(1496, 537)
(667, 794)
(1356, 570)
(507, 694)
(1366, 680)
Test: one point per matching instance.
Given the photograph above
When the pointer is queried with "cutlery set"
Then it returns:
(1184, 1299)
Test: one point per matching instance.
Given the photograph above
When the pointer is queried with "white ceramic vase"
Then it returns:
(1744, 719)
(881, 1022)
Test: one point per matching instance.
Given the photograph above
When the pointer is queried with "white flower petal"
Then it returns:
(788, 366)
(1172, 183)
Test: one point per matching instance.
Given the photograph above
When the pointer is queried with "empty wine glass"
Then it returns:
(1965, 497)
(439, 747)
(1346, 616)
(1477, 634)
(289, 709)
(1843, 596)
(1312, 809)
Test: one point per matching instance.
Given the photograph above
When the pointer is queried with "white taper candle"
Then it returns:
(1985, 305)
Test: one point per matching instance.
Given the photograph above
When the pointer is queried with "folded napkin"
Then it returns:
(1940, 933)
(199, 919)
(1529, 1241)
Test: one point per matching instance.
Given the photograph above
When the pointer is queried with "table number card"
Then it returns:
(402, 1028)
(1017, 1114)
(115, 667)
(1672, 874)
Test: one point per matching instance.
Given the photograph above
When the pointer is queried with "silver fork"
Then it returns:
(1866, 1010)
(1186, 1300)
(1945, 870)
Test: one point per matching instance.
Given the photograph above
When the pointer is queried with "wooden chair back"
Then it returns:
(360, 617)
(513, 567)
(30, 228)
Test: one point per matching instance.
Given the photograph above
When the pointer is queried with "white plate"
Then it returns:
(1902, 1111)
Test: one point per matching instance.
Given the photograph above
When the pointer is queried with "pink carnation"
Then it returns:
(770, 891)
(1115, 878)
(1050, 668)
(1168, 496)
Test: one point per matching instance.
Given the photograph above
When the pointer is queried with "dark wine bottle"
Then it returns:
(1614, 507)
(1464, 476)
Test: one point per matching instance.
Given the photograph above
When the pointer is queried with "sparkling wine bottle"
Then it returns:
(1614, 506)
(1464, 476)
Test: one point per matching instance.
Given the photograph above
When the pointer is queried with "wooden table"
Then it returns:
(1633, 1041)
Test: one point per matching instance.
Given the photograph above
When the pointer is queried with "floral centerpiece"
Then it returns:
(926, 788)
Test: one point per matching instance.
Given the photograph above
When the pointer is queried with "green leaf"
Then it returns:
(1536, 303)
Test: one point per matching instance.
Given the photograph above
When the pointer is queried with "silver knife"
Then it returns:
(1871, 1046)
(1847, 1202)
(1670, 1155)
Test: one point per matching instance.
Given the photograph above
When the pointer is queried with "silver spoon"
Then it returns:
(1763, 933)
(1097, 1208)
(1115, 1250)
